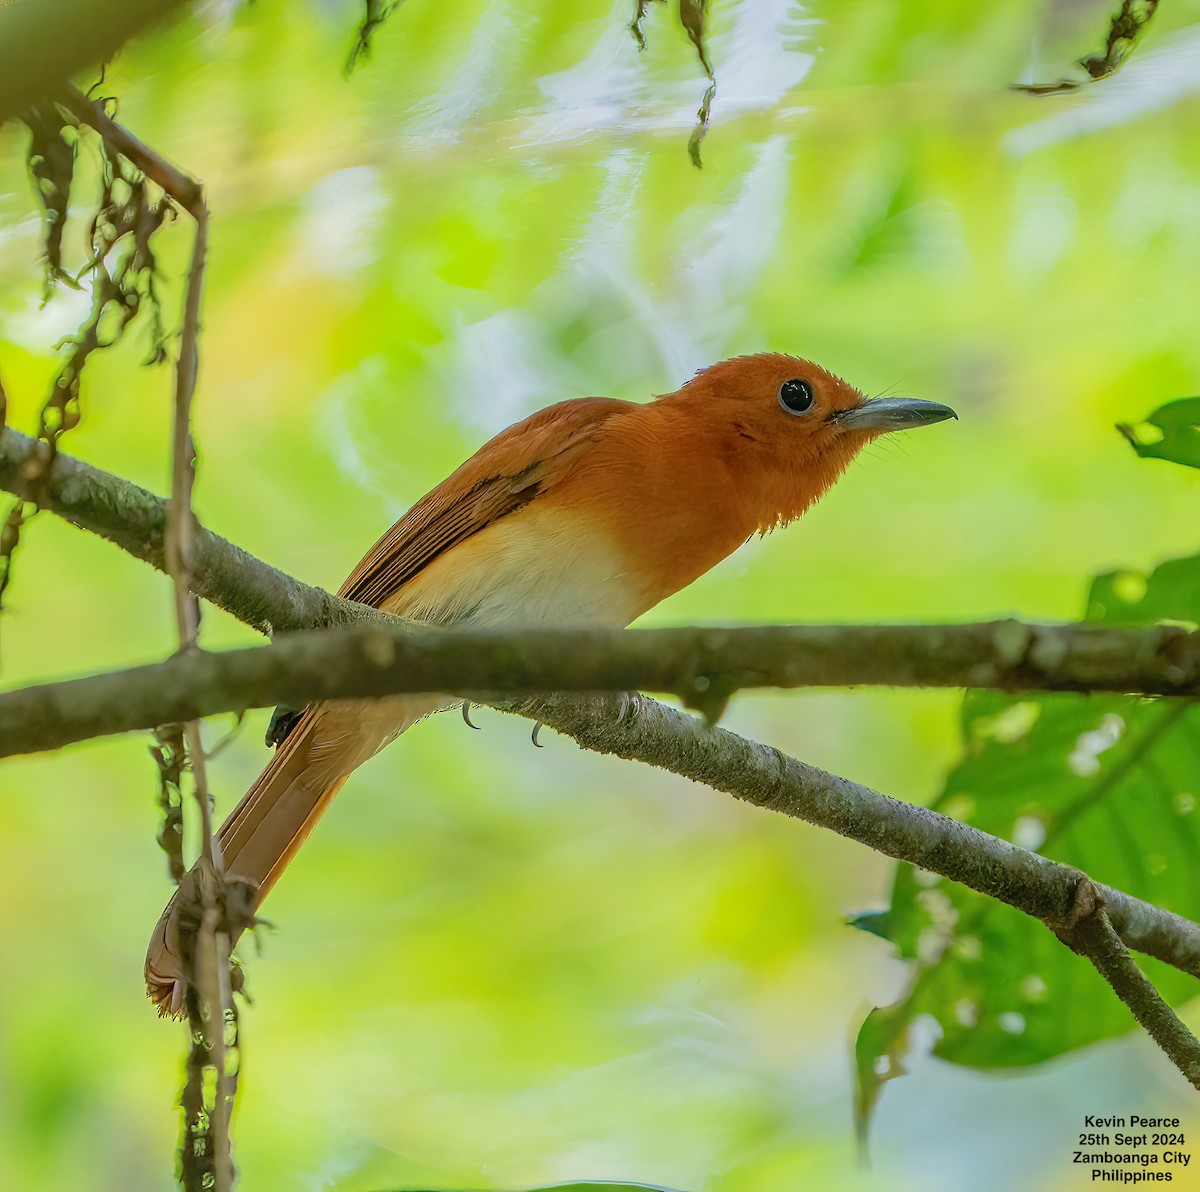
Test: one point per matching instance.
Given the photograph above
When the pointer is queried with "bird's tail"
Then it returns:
(257, 841)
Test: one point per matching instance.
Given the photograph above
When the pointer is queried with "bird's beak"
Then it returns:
(893, 413)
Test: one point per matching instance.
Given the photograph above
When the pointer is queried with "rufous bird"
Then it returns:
(586, 513)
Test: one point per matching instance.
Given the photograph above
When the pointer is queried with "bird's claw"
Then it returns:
(630, 707)
(466, 715)
(283, 720)
(537, 728)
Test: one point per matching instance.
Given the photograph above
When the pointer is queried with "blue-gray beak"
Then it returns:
(893, 413)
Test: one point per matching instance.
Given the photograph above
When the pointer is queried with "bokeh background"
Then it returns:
(494, 967)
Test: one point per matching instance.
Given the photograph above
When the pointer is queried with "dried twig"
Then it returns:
(692, 16)
(640, 8)
(1125, 28)
(184, 190)
(121, 266)
(169, 754)
(205, 1157)
(210, 1006)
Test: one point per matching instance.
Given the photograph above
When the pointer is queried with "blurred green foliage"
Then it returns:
(583, 1186)
(498, 968)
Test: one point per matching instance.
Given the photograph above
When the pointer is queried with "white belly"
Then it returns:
(529, 569)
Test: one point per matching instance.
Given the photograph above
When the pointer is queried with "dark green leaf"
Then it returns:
(878, 1057)
(872, 922)
(1172, 432)
(1105, 783)
(1170, 593)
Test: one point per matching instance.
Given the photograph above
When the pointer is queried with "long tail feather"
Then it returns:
(257, 841)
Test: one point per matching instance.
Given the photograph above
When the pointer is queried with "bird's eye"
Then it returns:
(796, 396)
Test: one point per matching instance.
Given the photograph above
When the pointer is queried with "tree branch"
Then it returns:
(183, 189)
(702, 667)
(135, 520)
(640, 730)
(1091, 934)
(660, 736)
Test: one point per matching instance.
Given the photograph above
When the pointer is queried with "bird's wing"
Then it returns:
(502, 476)
(505, 474)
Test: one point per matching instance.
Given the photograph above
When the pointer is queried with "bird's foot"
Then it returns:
(630, 708)
(283, 720)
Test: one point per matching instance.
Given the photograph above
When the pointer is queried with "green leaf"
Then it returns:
(1109, 784)
(1171, 593)
(878, 1057)
(872, 922)
(1172, 432)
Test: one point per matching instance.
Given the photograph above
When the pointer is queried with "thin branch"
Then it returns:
(652, 733)
(702, 667)
(205, 1156)
(184, 190)
(657, 735)
(135, 520)
(207, 1010)
(1091, 934)
(375, 13)
(208, 1007)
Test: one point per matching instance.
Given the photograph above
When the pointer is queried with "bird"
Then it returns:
(588, 512)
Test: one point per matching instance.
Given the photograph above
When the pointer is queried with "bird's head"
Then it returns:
(792, 424)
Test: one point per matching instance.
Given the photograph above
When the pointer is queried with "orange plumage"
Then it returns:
(588, 512)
